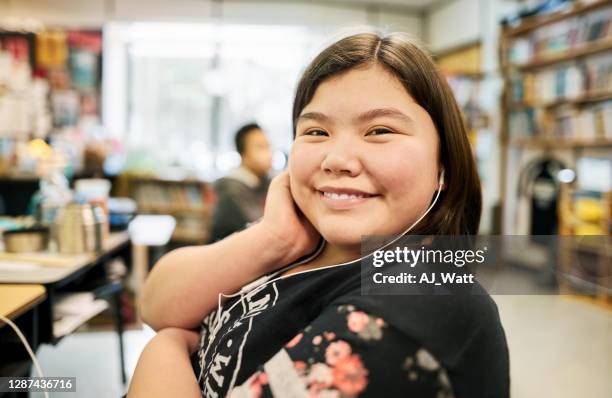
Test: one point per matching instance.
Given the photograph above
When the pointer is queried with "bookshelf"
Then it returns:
(557, 99)
(583, 50)
(462, 67)
(551, 143)
(583, 99)
(189, 201)
(540, 21)
(586, 245)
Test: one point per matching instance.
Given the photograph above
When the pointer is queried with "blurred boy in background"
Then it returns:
(241, 194)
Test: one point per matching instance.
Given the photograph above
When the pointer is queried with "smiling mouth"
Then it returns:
(344, 196)
(343, 199)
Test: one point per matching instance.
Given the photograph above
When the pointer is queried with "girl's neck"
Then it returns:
(333, 254)
(330, 255)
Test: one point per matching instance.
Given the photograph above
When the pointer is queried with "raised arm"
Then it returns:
(164, 368)
(184, 284)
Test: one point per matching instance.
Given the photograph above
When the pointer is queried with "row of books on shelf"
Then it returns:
(562, 36)
(568, 123)
(567, 81)
(178, 197)
(195, 229)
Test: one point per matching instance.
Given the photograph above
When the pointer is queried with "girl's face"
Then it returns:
(365, 157)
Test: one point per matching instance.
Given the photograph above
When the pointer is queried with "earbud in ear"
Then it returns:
(441, 180)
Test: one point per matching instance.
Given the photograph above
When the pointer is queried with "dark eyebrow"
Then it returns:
(316, 116)
(366, 116)
(384, 112)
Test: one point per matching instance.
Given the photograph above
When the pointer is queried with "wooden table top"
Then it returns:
(45, 267)
(17, 299)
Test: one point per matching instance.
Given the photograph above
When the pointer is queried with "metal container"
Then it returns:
(26, 240)
(79, 228)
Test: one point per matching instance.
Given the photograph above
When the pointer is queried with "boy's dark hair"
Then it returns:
(240, 137)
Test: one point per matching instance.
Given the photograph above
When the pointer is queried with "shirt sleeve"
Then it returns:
(344, 353)
(237, 205)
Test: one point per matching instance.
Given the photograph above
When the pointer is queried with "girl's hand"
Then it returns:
(285, 223)
(185, 284)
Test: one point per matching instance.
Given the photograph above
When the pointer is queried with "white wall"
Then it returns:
(453, 23)
(411, 24)
(57, 12)
(457, 22)
(93, 13)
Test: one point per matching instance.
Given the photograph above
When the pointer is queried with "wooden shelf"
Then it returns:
(173, 210)
(578, 52)
(185, 235)
(602, 249)
(584, 99)
(73, 310)
(189, 200)
(535, 22)
(558, 143)
(465, 75)
(167, 180)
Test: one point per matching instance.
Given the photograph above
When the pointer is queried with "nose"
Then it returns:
(341, 159)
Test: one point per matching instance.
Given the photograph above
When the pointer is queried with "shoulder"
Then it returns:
(432, 314)
(463, 332)
(229, 181)
(230, 185)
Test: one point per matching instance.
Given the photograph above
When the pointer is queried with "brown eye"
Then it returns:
(316, 133)
(379, 131)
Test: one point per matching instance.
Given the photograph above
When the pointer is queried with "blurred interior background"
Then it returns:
(133, 105)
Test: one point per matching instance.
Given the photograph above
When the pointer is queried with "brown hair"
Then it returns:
(458, 208)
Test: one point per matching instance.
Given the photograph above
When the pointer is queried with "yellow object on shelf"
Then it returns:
(588, 229)
(589, 210)
(38, 149)
(51, 49)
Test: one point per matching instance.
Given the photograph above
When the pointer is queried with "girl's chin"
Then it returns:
(339, 239)
(353, 236)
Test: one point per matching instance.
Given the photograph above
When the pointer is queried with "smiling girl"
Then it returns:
(378, 136)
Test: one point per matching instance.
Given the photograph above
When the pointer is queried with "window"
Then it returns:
(189, 87)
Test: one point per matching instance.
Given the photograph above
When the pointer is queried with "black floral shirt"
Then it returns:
(315, 335)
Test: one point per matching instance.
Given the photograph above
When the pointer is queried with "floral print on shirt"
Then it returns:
(347, 353)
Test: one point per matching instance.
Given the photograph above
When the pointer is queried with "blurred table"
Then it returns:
(78, 283)
(53, 268)
(21, 304)
(17, 299)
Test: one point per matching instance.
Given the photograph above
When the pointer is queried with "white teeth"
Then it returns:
(341, 196)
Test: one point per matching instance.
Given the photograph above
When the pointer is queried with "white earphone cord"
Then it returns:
(24, 341)
(431, 206)
(268, 278)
